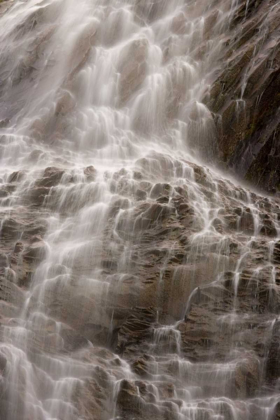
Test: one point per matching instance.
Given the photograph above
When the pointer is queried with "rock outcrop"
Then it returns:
(244, 97)
(164, 333)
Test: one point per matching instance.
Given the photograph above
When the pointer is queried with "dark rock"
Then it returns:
(141, 195)
(273, 357)
(35, 252)
(3, 363)
(135, 329)
(245, 94)
(90, 173)
(247, 377)
(12, 228)
(51, 178)
(39, 194)
(10, 293)
(18, 247)
(16, 176)
(276, 414)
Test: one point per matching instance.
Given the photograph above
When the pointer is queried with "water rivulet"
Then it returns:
(135, 282)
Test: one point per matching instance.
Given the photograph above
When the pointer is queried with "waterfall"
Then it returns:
(114, 220)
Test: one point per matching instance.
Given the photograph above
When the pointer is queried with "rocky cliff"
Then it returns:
(186, 302)
(244, 95)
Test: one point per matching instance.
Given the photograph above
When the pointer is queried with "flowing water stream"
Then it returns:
(135, 281)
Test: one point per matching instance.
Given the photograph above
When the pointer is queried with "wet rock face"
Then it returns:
(134, 282)
(244, 97)
(183, 290)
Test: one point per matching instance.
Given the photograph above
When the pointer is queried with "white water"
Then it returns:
(116, 87)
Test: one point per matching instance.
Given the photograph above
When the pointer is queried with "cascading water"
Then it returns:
(134, 281)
